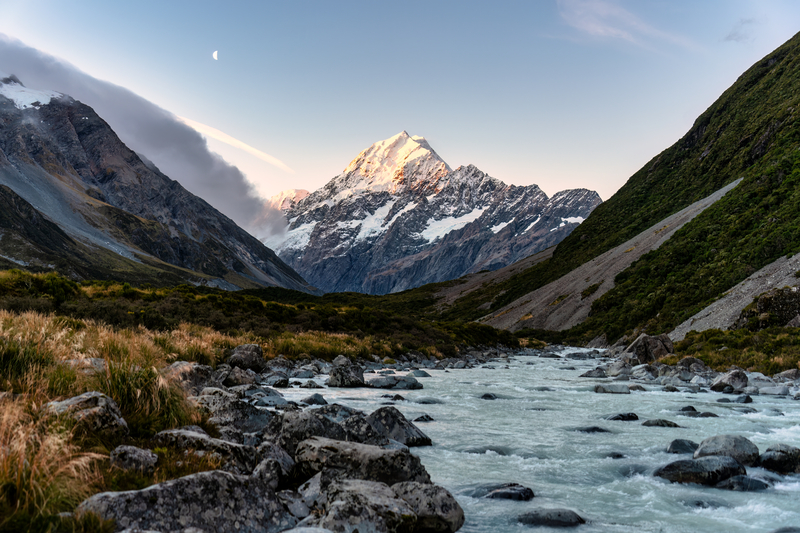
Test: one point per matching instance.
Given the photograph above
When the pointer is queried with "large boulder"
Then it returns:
(612, 388)
(94, 412)
(248, 357)
(734, 446)
(276, 467)
(736, 378)
(360, 430)
(359, 461)
(646, 349)
(298, 426)
(391, 423)
(682, 446)
(742, 484)
(348, 376)
(704, 471)
(238, 458)
(207, 501)
(369, 506)
(133, 458)
(436, 509)
(192, 377)
(228, 410)
(781, 458)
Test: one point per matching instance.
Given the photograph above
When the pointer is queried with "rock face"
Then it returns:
(399, 217)
(208, 501)
(733, 446)
(94, 412)
(105, 202)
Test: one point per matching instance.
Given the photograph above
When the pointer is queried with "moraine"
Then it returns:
(528, 436)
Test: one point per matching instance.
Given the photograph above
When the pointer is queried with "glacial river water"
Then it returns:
(528, 436)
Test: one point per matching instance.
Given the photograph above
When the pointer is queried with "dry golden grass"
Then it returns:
(41, 472)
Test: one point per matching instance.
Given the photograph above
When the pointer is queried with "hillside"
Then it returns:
(750, 132)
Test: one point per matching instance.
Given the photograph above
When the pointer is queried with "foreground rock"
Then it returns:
(238, 458)
(734, 446)
(704, 471)
(359, 461)
(94, 412)
(552, 518)
(781, 458)
(736, 379)
(358, 505)
(133, 458)
(436, 509)
(208, 501)
(346, 376)
(391, 423)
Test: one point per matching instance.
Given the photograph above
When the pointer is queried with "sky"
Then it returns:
(561, 93)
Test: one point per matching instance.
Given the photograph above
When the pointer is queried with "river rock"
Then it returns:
(314, 399)
(239, 459)
(94, 412)
(596, 373)
(436, 509)
(736, 379)
(133, 458)
(360, 430)
(660, 422)
(551, 518)
(781, 390)
(192, 377)
(704, 471)
(349, 376)
(612, 388)
(624, 417)
(788, 375)
(424, 418)
(359, 461)
(369, 506)
(298, 426)
(509, 491)
(742, 484)
(228, 410)
(647, 349)
(311, 384)
(618, 368)
(734, 446)
(207, 501)
(420, 373)
(341, 360)
(276, 467)
(240, 376)
(248, 357)
(337, 412)
(781, 458)
(391, 423)
(682, 446)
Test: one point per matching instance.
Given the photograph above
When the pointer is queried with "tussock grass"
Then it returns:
(41, 472)
(326, 345)
(768, 351)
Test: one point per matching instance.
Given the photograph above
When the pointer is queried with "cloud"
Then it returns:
(214, 133)
(741, 32)
(176, 148)
(607, 19)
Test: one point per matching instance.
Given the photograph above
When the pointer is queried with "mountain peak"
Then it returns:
(24, 98)
(394, 163)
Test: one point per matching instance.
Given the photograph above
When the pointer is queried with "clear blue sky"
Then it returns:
(571, 93)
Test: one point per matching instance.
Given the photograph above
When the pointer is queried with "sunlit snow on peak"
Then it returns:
(23, 97)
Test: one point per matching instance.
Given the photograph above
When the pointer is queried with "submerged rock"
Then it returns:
(552, 518)
(509, 491)
(682, 446)
(660, 422)
(704, 471)
(781, 458)
(742, 484)
(612, 388)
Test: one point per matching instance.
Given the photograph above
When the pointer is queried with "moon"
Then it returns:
(214, 55)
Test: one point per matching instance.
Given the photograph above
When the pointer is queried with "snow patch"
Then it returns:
(499, 226)
(294, 238)
(572, 220)
(23, 97)
(532, 224)
(439, 228)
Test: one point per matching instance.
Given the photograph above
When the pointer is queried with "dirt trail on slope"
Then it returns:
(723, 313)
(561, 305)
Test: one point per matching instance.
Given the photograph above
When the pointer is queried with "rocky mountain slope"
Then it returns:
(60, 159)
(749, 133)
(399, 217)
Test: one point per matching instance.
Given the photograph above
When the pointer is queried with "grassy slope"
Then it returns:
(750, 131)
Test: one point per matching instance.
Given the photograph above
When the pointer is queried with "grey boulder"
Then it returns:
(612, 388)
(736, 379)
(347, 376)
(248, 357)
(133, 458)
(93, 412)
(238, 458)
(366, 506)
(781, 458)
(552, 518)
(734, 446)
(192, 377)
(436, 509)
(391, 423)
(704, 471)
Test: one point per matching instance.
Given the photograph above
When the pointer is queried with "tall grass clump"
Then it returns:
(41, 472)
(325, 345)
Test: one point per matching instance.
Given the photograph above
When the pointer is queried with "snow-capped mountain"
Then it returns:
(285, 199)
(73, 197)
(399, 217)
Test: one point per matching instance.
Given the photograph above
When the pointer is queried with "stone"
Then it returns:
(391, 423)
(742, 484)
(592, 429)
(612, 388)
(359, 461)
(239, 459)
(369, 506)
(788, 375)
(618, 368)
(240, 376)
(227, 409)
(248, 357)
(341, 360)
(736, 379)
(133, 458)
(87, 365)
(424, 418)
(94, 412)
(682, 446)
(509, 491)
(298, 426)
(552, 518)
(314, 399)
(704, 471)
(311, 384)
(660, 422)
(734, 446)
(276, 468)
(349, 376)
(360, 430)
(337, 412)
(489, 396)
(596, 373)
(781, 458)
(781, 390)
(420, 374)
(195, 501)
(192, 377)
(648, 348)
(276, 379)
(744, 398)
(436, 509)
(625, 417)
